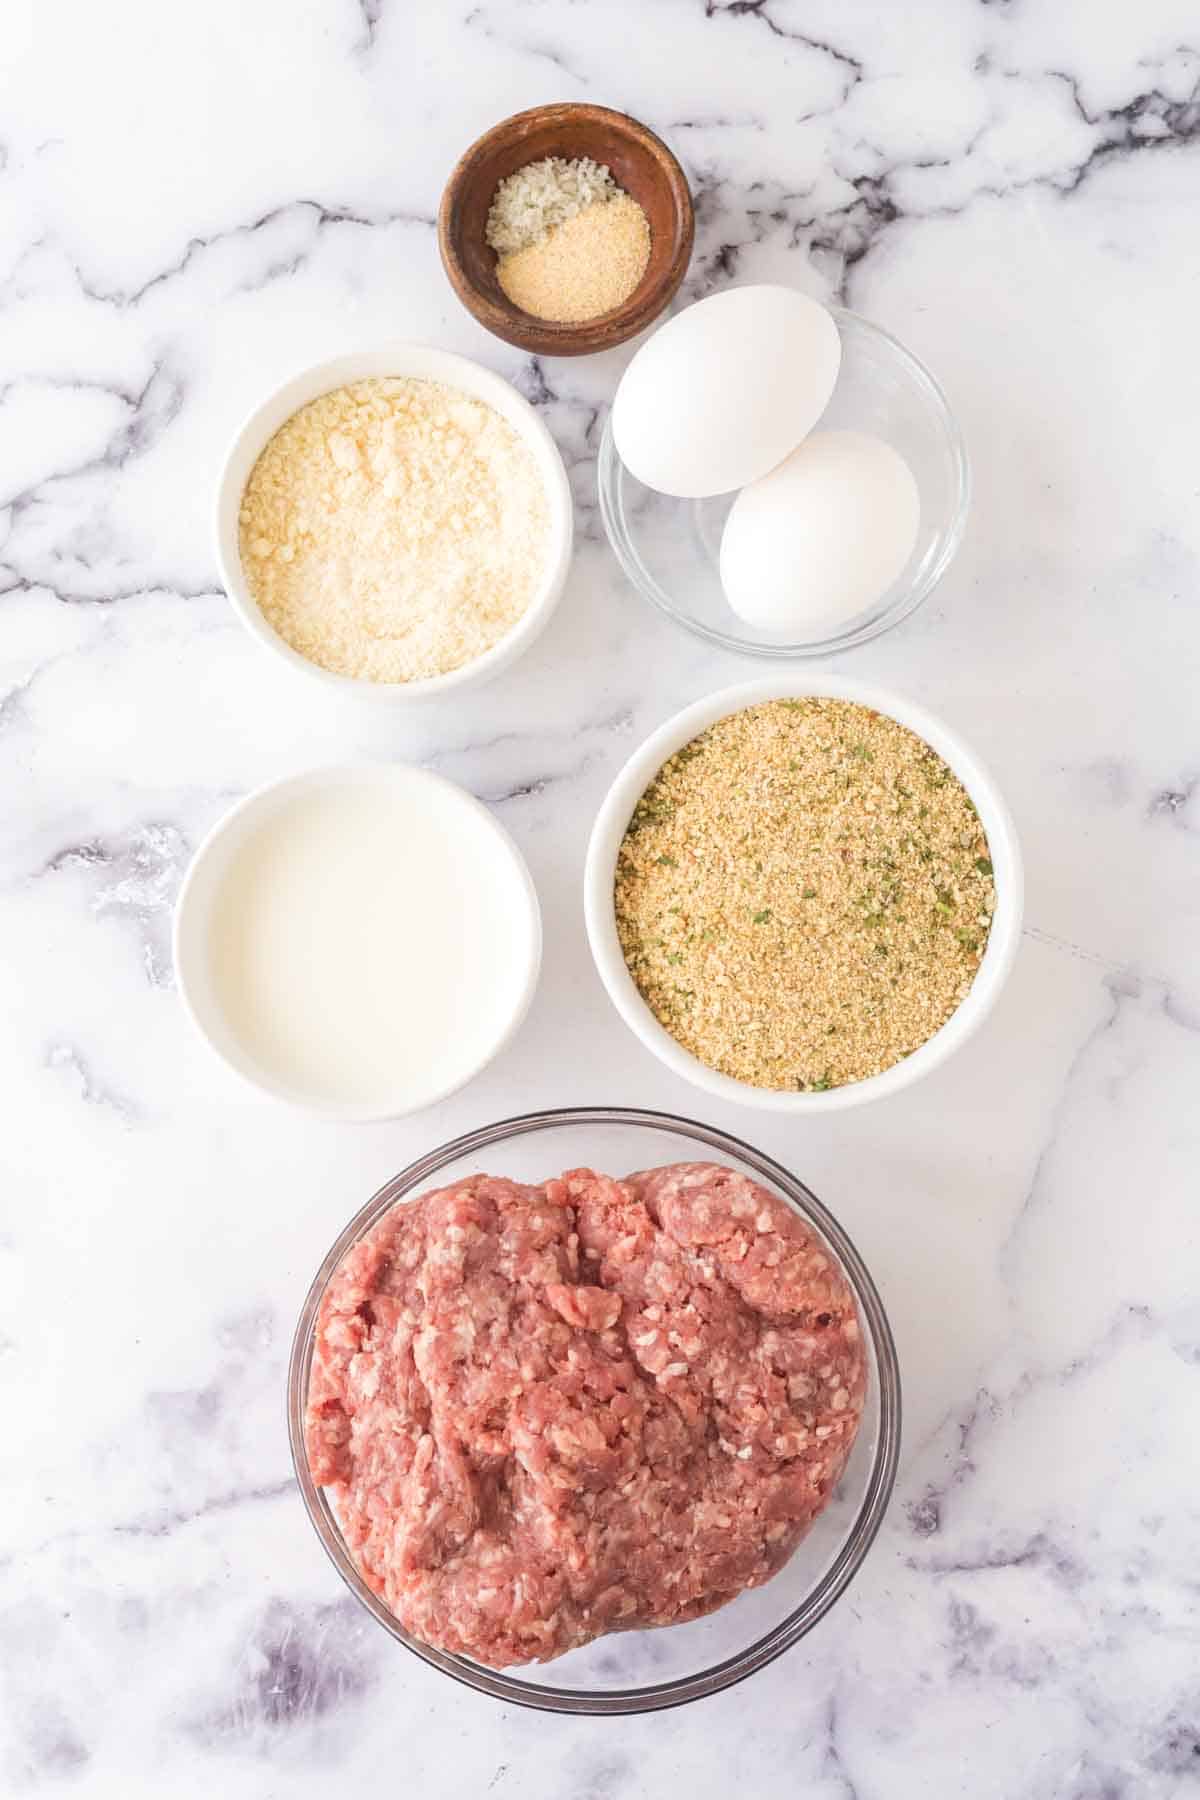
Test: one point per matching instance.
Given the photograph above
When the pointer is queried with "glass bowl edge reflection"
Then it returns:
(861, 1535)
(612, 474)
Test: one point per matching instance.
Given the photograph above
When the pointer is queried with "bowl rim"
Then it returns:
(401, 358)
(617, 808)
(610, 468)
(549, 337)
(187, 934)
(654, 1696)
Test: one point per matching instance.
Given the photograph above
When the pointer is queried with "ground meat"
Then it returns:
(550, 1412)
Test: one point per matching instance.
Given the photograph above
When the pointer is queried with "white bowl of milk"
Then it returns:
(360, 941)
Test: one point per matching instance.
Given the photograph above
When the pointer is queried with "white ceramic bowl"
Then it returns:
(635, 777)
(424, 363)
(202, 885)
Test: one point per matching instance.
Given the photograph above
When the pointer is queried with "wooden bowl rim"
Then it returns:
(546, 337)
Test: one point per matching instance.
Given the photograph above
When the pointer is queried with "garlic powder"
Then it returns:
(394, 529)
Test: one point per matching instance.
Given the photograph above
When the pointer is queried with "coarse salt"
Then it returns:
(543, 194)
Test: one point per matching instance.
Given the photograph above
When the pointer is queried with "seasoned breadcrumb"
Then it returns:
(804, 894)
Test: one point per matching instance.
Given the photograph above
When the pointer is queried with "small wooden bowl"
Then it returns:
(640, 163)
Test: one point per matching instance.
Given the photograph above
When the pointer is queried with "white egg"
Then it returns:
(725, 389)
(822, 536)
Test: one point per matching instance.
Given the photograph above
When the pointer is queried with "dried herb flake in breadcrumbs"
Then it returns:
(789, 908)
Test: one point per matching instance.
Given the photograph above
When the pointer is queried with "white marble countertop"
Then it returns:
(196, 200)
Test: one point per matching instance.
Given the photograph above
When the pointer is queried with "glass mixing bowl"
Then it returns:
(640, 1671)
(670, 549)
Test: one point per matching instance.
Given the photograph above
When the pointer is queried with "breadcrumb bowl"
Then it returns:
(600, 911)
(421, 362)
(641, 164)
(633, 1671)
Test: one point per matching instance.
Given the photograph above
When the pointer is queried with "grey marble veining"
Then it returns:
(194, 200)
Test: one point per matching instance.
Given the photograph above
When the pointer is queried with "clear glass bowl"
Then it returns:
(640, 1671)
(670, 549)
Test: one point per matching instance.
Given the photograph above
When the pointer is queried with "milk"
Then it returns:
(370, 940)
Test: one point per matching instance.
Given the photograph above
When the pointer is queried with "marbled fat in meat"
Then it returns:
(549, 1412)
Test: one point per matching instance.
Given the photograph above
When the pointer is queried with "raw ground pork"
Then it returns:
(551, 1412)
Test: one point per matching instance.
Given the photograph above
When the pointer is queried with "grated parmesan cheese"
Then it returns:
(529, 202)
(394, 529)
